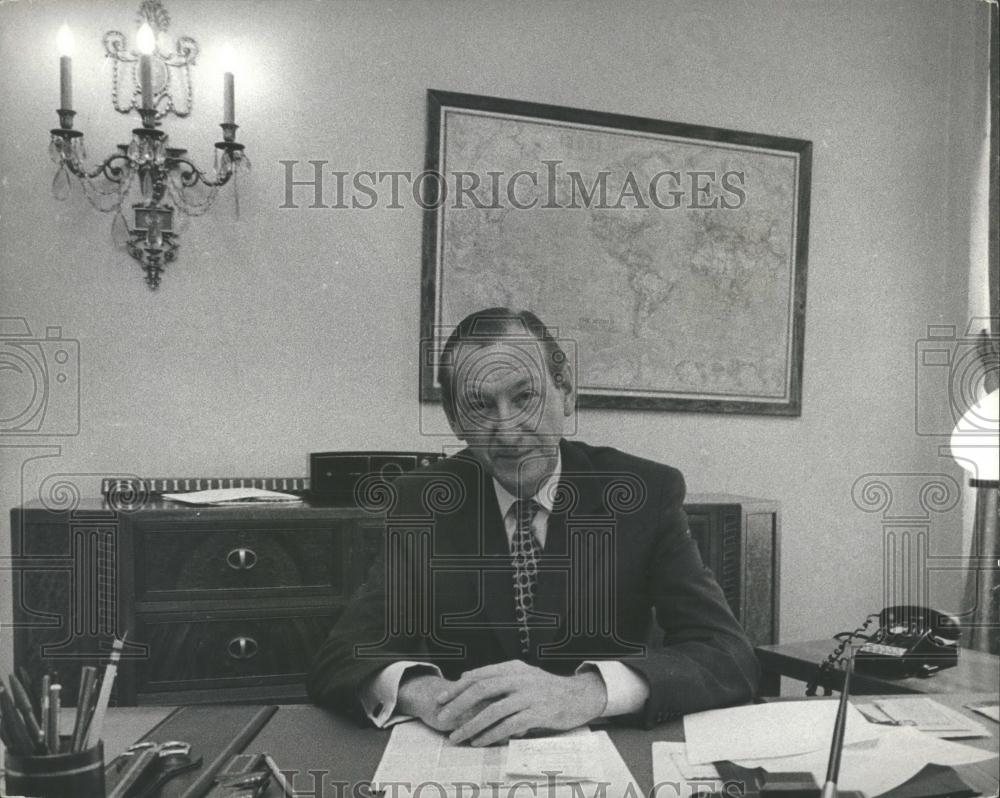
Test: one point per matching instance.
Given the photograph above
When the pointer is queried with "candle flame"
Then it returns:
(64, 40)
(227, 57)
(145, 40)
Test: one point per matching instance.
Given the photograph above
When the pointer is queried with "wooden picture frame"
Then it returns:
(680, 280)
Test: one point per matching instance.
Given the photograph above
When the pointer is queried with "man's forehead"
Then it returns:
(499, 362)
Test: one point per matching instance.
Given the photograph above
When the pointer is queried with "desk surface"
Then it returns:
(305, 738)
(976, 671)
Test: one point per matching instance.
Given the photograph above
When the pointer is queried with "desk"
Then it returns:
(976, 671)
(305, 738)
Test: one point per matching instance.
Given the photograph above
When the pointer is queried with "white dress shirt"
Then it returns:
(626, 689)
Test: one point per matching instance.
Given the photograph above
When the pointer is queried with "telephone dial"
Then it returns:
(909, 641)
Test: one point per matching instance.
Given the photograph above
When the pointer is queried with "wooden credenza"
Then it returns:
(230, 603)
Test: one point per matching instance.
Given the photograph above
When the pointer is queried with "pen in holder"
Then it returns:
(68, 774)
(42, 763)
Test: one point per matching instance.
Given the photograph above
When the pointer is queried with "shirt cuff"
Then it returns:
(627, 690)
(379, 696)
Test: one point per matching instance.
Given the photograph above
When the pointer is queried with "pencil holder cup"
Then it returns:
(68, 774)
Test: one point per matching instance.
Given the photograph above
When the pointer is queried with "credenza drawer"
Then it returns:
(179, 564)
(231, 651)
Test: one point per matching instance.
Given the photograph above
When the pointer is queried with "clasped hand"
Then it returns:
(491, 704)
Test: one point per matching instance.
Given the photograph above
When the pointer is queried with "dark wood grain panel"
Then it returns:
(185, 653)
(175, 560)
(760, 577)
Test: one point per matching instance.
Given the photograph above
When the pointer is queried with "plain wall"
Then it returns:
(290, 331)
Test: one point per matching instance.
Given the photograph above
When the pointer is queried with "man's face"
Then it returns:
(510, 411)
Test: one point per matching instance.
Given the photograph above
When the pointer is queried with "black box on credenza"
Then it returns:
(334, 476)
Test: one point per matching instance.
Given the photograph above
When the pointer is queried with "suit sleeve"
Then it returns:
(360, 647)
(706, 660)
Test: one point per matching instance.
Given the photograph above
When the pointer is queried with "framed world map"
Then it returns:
(670, 257)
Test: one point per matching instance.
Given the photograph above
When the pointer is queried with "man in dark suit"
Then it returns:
(522, 576)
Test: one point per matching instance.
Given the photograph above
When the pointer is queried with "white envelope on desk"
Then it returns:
(781, 728)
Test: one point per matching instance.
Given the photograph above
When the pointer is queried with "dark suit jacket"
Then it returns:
(617, 548)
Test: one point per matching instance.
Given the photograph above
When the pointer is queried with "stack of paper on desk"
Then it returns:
(924, 714)
(795, 737)
(779, 728)
(578, 764)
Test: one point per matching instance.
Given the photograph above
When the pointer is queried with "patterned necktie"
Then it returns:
(524, 555)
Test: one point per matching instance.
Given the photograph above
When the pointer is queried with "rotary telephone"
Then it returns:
(909, 641)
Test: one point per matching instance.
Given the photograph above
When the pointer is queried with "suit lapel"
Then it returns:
(579, 496)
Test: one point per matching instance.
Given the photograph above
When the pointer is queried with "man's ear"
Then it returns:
(455, 427)
(568, 387)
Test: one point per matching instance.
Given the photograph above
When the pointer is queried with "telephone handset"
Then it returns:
(909, 641)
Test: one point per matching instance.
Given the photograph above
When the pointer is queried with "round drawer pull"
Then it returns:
(242, 648)
(241, 559)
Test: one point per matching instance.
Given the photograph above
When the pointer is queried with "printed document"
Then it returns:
(576, 764)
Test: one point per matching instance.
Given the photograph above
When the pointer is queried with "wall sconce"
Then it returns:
(161, 179)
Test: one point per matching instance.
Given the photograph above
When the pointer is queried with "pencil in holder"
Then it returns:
(68, 774)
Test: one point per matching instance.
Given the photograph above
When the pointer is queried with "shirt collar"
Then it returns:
(545, 495)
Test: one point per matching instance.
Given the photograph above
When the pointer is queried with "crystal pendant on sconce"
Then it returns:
(175, 185)
(55, 149)
(223, 164)
(154, 238)
(61, 185)
(119, 231)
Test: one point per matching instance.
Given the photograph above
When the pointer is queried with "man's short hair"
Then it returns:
(490, 326)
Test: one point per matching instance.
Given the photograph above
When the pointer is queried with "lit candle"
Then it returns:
(228, 87)
(146, 42)
(64, 41)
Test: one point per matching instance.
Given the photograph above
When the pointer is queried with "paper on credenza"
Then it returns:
(233, 496)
